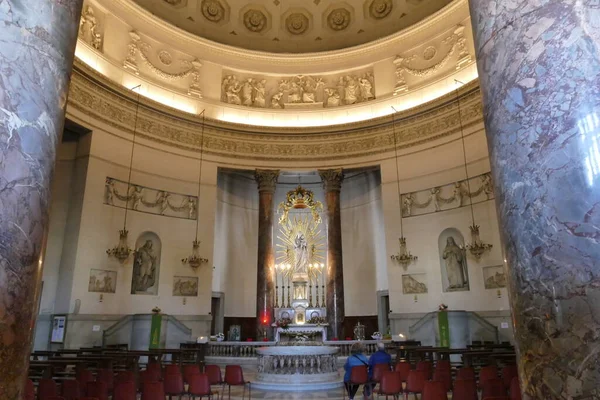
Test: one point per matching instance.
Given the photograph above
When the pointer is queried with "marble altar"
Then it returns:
(320, 329)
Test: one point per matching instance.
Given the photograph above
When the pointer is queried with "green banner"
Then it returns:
(155, 331)
(444, 329)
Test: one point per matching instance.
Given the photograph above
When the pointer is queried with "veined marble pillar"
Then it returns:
(539, 71)
(332, 183)
(265, 271)
(37, 43)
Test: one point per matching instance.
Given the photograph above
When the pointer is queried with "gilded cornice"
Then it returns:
(111, 104)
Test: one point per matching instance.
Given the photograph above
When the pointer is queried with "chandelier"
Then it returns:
(477, 247)
(122, 250)
(194, 260)
(404, 258)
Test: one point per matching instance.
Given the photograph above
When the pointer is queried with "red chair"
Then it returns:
(84, 376)
(378, 371)
(174, 385)
(214, 374)
(515, 389)
(359, 375)
(199, 386)
(443, 365)
(189, 370)
(54, 398)
(107, 376)
(433, 390)
(29, 393)
(465, 373)
(486, 373)
(464, 389)
(427, 367)
(493, 388)
(153, 391)
(172, 369)
(97, 389)
(125, 376)
(390, 384)
(443, 376)
(404, 369)
(415, 383)
(71, 390)
(496, 398)
(149, 375)
(508, 373)
(235, 377)
(46, 388)
(155, 367)
(125, 391)
(88, 398)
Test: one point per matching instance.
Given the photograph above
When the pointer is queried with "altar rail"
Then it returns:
(248, 349)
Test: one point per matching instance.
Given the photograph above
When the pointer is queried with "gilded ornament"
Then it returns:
(380, 8)
(297, 23)
(339, 19)
(255, 20)
(213, 10)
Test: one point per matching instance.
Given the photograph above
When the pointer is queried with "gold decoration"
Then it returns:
(195, 260)
(289, 231)
(300, 198)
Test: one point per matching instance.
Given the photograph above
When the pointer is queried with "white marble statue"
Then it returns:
(144, 267)
(456, 265)
(351, 90)
(366, 89)
(260, 93)
(301, 252)
(247, 89)
(333, 97)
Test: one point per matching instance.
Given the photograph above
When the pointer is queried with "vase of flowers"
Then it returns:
(377, 336)
(283, 323)
(220, 337)
(442, 307)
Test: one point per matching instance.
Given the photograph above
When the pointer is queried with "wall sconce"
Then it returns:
(101, 299)
(184, 301)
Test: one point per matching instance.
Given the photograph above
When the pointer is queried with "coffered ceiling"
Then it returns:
(284, 26)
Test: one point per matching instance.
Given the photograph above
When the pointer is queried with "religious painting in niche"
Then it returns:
(146, 264)
(414, 283)
(453, 261)
(185, 286)
(494, 277)
(102, 281)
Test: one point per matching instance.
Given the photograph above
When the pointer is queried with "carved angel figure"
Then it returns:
(351, 90)
(109, 191)
(407, 204)
(162, 200)
(191, 207)
(458, 196)
(260, 93)
(136, 196)
(435, 193)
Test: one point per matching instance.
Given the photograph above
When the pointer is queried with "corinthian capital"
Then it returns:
(332, 179)
(266, 179)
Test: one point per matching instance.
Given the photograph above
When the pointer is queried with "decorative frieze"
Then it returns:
(447, 197)
(300, 91)
(135, 197)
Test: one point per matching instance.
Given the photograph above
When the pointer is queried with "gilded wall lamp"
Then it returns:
(195, 260)
(403, 257)
(122, 250)
(477, 247)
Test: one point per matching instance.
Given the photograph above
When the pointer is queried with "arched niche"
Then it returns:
(146, 264)
(453, 261)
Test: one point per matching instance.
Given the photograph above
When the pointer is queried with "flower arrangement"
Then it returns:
(317, 320)
(376, 335)
(220, 337)
(283, 323)
(442, 307)
(156, 310)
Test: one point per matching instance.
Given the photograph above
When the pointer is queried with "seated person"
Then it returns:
(356, 359)
(379, 357)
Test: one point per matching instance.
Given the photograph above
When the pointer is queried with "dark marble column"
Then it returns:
(37, 43)
(332, 183)
(265, 287)
(539, 68)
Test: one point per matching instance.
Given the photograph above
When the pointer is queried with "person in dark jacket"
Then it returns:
(356, 359)
(379, 357)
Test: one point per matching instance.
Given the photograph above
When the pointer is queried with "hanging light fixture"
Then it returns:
(477, 247)
(194, 260)
(122, 250)
(403, 257)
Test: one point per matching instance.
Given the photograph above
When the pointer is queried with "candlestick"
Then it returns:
(310, 303)
(323, 301)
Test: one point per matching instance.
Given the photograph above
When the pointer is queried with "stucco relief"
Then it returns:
(339, 19)
(255, 20)
(214, 10)
(297, 23)
(379, 9)
(109, 104)
(89, 29)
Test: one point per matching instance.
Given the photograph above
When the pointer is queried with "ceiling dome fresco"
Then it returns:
(281, 26)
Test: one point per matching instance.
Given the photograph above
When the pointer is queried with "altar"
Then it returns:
(315, 332)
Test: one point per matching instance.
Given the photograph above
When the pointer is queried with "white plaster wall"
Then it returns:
(236, 244)
(363, 244)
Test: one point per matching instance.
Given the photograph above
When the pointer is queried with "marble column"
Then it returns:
(265, 271)
(37, 44)
(539, 69)
(332, 183)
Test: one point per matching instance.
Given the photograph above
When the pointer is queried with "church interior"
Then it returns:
(267, 198)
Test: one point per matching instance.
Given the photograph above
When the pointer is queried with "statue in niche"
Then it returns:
(301, 250)
(456, 265)
(109, 191)
(366, 89)
(247, 89)
(260, 93)
(458, 196)
(435, 199)
(276, 100)
(299, 292)
(136, 197)
(333, 97)
(488, 189)
(407, 204)
(144, 268)
(351, 90)
(191, 207)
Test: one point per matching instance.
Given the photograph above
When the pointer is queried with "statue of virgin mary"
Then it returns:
(301, 252)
